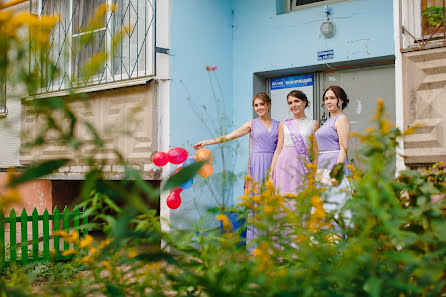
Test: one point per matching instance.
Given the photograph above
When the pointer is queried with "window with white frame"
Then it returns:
(297, 4)
(73, 42)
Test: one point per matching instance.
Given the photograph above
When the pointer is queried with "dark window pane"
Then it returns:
(302, 2)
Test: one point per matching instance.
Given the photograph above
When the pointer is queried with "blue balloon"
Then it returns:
(188, 184)
(189, 161)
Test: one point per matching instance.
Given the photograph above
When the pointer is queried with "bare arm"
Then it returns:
(342, 126)
(314, 144)
(243, 130)
(277, 151)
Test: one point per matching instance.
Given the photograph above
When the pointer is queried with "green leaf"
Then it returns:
(37, 171)
(337, 172)
(182, 176)
(373, 286)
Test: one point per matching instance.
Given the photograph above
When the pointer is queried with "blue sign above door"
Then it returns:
(325, 55)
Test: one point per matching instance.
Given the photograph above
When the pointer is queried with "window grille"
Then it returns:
(72, 43)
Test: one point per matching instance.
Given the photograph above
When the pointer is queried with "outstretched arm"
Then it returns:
(243, 130)
(342, 126)
(277, 151)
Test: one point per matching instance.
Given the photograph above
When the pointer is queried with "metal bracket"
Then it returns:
(162, 50)
(3, 112)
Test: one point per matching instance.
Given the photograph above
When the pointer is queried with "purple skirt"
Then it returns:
(260, 163)
(288, 174)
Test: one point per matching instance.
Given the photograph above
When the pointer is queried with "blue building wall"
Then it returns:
(201, 35)
(265, 41)
(243, 37)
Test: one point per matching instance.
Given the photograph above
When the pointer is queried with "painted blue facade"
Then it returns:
(201, 35)
(243, 37)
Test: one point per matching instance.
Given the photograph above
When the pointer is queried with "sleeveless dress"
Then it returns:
(328, 145)
(289, 172)
(264, 144)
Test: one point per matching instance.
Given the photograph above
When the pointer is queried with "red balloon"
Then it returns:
(160, 159)
(173, 200)
(178, 190)
(177, 155)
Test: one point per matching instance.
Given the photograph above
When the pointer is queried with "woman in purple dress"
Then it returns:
(264, 133)
(288, 168)
(332, 142)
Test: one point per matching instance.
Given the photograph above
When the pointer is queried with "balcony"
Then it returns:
(125, 37)
(422, 24)
(423, 48)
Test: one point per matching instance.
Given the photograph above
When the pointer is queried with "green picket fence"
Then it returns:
(78, 222)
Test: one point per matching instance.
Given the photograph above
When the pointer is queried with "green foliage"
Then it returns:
(388, 240)
(434, 15)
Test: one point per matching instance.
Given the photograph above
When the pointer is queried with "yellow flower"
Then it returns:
(73, 237)
(68, 252)
(351, 167)
(385, 126)
(133, 254)
(61, 233)
(257, 252)
(86, 241)
(154, 266)
(93, 252)
(227, 225)
(370, 130)
(86, 259)
(107, 265)
(268, 209)
(104, 243)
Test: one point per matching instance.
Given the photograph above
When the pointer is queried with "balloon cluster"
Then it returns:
(178, 156)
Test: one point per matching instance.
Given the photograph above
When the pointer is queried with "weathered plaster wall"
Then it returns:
(424, 93)
(126, 121)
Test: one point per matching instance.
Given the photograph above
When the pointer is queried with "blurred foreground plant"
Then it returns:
(393, 244)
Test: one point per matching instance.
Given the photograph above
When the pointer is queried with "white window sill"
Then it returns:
(94, 88)
(316, 4)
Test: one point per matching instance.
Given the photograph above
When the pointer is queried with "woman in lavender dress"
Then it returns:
(288, 168)
(264, 133)
(332, 142)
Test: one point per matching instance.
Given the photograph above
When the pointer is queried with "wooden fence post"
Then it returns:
(13, 236)
(24, 243)
(35, 227)
(46, 236)
(80, 220)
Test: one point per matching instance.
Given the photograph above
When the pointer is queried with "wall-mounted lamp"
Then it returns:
(328, 28)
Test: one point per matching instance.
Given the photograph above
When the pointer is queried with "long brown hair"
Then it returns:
(262, 96)
(340, 94)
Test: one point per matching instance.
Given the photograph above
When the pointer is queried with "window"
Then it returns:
(73, 42)
(303, 2)
(84, 42)
(297, 4)
(433, 16)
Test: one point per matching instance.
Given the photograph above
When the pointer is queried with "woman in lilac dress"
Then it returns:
(288, 168)
(332, 142)
(264, 133)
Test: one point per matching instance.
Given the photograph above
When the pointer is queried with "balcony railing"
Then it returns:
(422, 24)
(72, 43)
